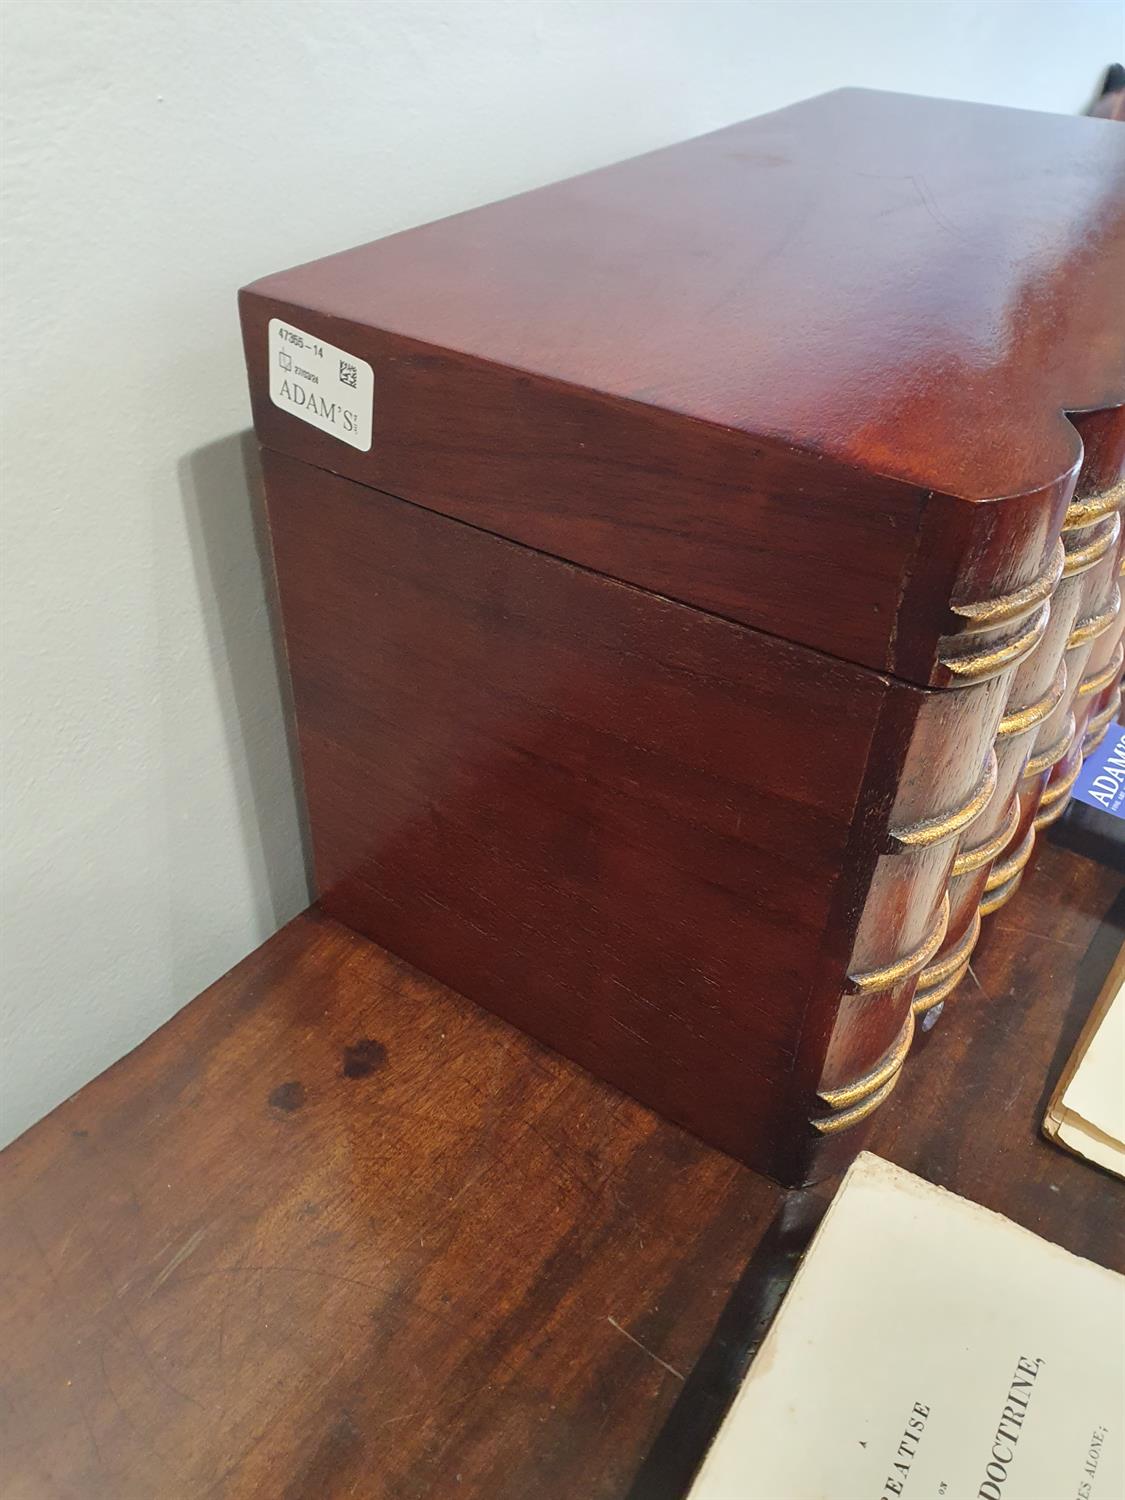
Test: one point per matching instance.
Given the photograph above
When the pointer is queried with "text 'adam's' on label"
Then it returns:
(323, 385)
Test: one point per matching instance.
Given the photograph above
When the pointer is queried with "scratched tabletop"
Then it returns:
(333, 1231)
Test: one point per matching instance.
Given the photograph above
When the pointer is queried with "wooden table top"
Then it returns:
(334, 1231)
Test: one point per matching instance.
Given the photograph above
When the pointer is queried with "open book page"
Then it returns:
(929, 1347)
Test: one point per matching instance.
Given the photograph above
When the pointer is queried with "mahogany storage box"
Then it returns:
(684, 571)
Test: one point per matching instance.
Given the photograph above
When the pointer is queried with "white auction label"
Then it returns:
(323, 385)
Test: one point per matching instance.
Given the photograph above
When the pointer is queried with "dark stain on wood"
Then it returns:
(288, 1096)
(492, 1280)
(363, 1058)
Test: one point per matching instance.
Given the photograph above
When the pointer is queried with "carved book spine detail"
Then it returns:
(1063, 697)
(1036, 688)
(947, 776)
(1092, 537)
(1056, 672)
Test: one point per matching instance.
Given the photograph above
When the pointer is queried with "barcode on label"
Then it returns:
(317, 383)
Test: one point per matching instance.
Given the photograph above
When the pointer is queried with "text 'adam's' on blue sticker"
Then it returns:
(1102, 782)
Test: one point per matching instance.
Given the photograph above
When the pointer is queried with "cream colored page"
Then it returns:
(930, 1348)
(1074, 1133)
(1097, 1090)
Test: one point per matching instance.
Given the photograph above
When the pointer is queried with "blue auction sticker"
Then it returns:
(1102, 783)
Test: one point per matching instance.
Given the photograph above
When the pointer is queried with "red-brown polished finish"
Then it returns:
(757, 371)
(807, 375)
(334, 1232)
(631, 828)
(1042, 736)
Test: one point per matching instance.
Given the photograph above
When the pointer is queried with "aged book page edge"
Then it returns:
(1078, 1135)
(1063, 1126)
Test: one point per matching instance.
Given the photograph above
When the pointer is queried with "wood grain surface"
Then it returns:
(808, 372)
(334, 1231)
(649, 837)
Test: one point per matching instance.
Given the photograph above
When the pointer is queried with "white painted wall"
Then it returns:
(158, 156)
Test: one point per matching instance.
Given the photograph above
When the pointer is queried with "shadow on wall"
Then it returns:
(224, 511)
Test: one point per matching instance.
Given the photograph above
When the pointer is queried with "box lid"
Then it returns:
(809, 372)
